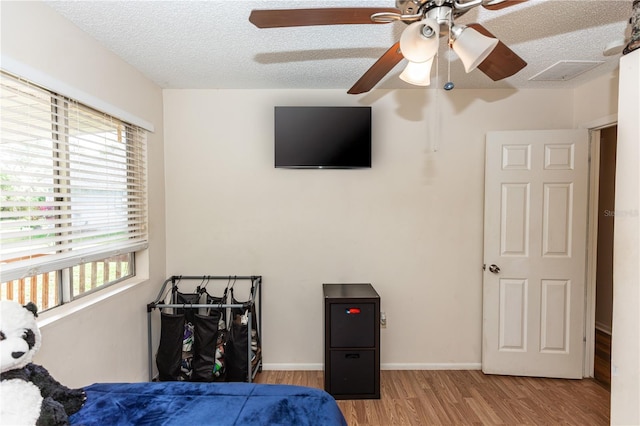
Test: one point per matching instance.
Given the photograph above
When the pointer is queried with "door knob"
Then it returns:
(494, 268)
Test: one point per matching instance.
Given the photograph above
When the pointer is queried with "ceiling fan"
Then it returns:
(427, 20)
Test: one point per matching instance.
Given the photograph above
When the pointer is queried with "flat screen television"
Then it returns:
(322, 137)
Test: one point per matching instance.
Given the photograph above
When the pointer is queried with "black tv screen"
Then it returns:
(321, 137)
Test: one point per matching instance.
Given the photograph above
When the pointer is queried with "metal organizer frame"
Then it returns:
(255, 300)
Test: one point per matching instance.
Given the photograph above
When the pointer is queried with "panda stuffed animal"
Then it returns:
(28, 393)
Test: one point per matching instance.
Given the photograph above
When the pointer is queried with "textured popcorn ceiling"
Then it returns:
(211, 44)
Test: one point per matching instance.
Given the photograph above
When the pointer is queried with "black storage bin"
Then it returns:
(353, 372)
(351, 325)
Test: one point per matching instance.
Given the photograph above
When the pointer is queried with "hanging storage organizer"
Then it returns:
(210, 328)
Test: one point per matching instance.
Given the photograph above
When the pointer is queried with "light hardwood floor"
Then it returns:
(436, 397)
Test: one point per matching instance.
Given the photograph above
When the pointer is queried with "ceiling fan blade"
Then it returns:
(378, 70)
(277, 18)
(503, 4)
(502, 62)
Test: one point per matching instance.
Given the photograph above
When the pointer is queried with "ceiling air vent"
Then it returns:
(565, 70)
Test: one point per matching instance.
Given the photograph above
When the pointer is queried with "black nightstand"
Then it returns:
(351, 341)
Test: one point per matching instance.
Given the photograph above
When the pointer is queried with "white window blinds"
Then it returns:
(73, 182)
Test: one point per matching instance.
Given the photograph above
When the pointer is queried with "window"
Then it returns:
(73, 204)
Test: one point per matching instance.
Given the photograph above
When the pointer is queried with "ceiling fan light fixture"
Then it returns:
(419, 41)
(472, 47)
(417, 73)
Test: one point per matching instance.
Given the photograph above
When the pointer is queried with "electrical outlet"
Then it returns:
(383, 320)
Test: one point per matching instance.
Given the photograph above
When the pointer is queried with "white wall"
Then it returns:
(625, 351)
(596, 100)
(411, 225)
(106, 340)
(618, 96)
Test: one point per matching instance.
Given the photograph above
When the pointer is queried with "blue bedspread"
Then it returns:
(187, 403)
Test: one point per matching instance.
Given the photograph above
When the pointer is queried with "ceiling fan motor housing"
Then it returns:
(409, 7)
(442, 11)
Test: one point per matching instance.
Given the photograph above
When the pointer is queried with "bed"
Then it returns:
(190, 403)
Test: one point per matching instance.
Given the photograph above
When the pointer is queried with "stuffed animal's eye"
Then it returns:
(2, 336)
(29, 337)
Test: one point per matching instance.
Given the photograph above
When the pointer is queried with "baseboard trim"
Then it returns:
(603, 327)
(384, 366)
(431, 366)
(292, 367)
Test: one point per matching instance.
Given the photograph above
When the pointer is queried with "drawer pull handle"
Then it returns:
(353, 311)
(352, 356)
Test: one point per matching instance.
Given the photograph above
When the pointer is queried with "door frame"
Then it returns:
(594, 128)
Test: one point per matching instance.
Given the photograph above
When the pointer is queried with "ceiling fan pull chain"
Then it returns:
(449, 84)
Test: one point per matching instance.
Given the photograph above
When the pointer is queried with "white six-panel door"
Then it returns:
(534, 252)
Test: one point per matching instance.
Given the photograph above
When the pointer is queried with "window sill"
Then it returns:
(63, 311)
